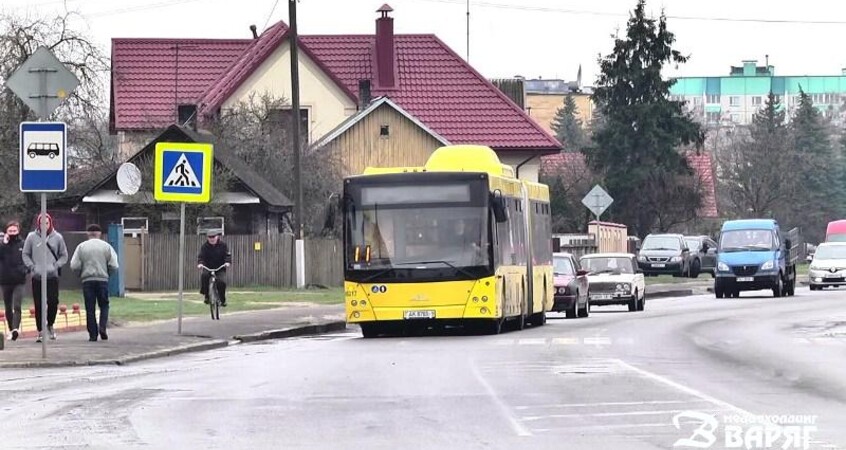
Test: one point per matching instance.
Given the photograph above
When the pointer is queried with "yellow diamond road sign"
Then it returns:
(183, 172)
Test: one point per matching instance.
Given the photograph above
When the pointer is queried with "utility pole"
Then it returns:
(295, 136)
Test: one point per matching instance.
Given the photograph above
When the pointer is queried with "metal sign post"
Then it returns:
(597, 201)
(183, 174)
(42, 82)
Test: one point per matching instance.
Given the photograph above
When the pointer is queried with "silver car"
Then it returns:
(828, 269)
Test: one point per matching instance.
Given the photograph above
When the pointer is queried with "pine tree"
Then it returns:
(815, 161)
(568, 127)
(636, 144)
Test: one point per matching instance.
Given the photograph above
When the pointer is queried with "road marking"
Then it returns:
(565, 341)
(581, 405)
(615, 414)
(683, 388)
(532, 341)
(503, 408)
(607, 427)
(598, 341)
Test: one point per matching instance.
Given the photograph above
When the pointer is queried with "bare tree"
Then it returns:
(258, 130)
(83, 110)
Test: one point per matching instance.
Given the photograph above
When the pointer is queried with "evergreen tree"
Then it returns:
(636, 145)
(568, 127)
(816, 163)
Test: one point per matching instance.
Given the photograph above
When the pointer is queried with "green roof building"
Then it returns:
(736, 97)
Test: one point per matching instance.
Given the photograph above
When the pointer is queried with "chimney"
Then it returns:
(385, 52)
(364, 95)
(255, 31)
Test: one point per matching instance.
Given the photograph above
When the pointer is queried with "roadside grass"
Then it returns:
(150, 306)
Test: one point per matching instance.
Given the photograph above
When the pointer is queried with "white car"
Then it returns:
(614, 279)
(828, 269)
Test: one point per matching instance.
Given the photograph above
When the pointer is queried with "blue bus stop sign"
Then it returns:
(43, 157)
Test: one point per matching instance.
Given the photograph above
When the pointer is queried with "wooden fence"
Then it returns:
(258, 260)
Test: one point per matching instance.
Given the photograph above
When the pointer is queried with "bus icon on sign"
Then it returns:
(49, 149)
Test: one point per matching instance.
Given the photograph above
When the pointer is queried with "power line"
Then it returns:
(132, 9)
(610, 14)
(269, 16)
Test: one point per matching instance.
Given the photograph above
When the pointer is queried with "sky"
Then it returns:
(532, 38)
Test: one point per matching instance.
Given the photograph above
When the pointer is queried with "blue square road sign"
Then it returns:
(43, 157)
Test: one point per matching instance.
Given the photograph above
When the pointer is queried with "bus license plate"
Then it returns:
(419, 314)
(745, 279)
(659, 266)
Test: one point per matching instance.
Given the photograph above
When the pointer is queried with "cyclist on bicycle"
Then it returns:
(214, 253)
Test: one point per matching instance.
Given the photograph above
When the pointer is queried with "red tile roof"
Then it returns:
(146, 85)
(434, 84)
(702, 165)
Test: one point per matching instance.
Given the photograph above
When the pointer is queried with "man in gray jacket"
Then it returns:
(93, 259)
(57, 256)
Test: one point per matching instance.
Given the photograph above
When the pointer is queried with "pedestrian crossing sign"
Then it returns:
(183, 172)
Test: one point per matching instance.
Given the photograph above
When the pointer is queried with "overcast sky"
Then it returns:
(533, 38)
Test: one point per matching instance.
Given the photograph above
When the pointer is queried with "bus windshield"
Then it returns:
(441, 226)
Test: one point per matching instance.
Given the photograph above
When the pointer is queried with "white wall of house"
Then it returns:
(328, 105)
(528, 171)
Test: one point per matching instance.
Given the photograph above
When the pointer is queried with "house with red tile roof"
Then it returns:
(158, 82)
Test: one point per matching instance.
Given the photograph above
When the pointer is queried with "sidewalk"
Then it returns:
(136, 342)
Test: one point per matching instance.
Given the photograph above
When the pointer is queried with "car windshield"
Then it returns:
(836, 237)
(742, 240)
(563, 266)
(661, 243)
(830, 252)
(598, 265)
(692, 244)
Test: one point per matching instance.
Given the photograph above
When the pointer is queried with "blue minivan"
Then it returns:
(754, 255)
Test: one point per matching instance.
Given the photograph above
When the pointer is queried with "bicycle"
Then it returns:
(214, 296)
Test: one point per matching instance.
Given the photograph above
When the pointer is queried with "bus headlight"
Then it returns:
(768, 265)
(354, 303)
(475, 299)
(484, 310)
(356, 315)
(363, 303)
(484, 298)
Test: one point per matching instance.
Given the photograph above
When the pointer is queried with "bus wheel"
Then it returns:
(539, 319)
(494, 326)
(370, 330)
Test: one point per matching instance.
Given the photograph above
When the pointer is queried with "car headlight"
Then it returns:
(676, 259)
(768, 265)
(641, 258)
(813, 267)
(562, 290)
(722, 267)
(627, 287)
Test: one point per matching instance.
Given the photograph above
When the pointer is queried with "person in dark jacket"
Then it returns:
(13, 273)
(213, 254)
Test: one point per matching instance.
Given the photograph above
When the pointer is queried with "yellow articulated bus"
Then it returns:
(460, 241)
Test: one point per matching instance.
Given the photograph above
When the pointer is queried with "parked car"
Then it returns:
(571, 286)
(614, 279)
(664, 254)
(828, 269)
(703, 255)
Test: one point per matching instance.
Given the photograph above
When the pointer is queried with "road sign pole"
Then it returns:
(181, 263)
(43, 226)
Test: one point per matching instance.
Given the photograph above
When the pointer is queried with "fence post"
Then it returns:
(117, 283)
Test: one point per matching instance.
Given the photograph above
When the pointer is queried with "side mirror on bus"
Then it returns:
(498, 206)
(330, 213)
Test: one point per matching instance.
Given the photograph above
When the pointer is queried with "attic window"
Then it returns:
(384, 131)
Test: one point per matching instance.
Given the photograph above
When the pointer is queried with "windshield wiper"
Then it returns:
(376, 275)
(464, 272)
(662, 249)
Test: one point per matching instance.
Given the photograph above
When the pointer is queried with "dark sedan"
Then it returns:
(571, 286)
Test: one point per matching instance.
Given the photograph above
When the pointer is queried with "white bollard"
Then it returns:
(300, 263)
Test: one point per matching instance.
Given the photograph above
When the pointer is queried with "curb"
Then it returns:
(668, 294)
(292, 332)
(189, 348)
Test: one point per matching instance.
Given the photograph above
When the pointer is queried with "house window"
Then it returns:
(697, 101)
(712, 99)
(734, 101)
(735, 118)
(280, 120)
(186, 113)
(384, 131)
(712, 116)
(757, 100)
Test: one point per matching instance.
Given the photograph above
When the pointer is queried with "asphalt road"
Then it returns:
(614, 380)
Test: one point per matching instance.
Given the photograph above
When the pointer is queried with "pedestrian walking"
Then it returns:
(35, 261)
(94, 259)
(13, 273)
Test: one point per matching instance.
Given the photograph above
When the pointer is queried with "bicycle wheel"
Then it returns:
(214, 301)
